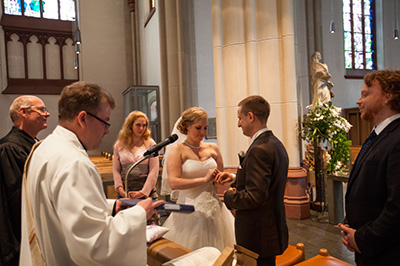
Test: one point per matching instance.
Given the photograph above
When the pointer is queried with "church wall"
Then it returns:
(149, 45)
(391, 47)
(105, 59)
(347, 91)
(7, 99)
(199, 55)
(204, 56)
(106, 54)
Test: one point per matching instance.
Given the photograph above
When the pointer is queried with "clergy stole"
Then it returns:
(36, 253)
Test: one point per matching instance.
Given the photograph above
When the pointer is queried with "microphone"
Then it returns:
(159, 146)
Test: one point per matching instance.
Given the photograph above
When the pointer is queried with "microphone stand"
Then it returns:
(154, 154)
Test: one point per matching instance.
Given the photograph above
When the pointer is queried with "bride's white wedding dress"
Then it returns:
(211, 224)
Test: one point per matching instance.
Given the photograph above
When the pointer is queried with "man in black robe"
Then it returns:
(29, 116)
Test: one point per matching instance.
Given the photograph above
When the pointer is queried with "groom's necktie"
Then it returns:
(366, 144)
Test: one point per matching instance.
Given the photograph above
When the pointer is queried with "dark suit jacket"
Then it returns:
(260, 221)
(373, 200)
(14, 149)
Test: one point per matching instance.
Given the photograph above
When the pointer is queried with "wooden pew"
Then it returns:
(104, 165)
(323, 259)
(163, 250)
(291, 256)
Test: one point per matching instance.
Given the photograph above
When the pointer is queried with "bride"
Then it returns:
(191, 168)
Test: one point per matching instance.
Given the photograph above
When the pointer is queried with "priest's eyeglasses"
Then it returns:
(106, 125)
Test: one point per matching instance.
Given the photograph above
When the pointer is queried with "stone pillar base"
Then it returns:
(297, 208)
(297, 203)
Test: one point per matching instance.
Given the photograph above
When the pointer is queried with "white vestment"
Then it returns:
(72, 217)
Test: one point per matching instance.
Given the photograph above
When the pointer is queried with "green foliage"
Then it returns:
(324, 123)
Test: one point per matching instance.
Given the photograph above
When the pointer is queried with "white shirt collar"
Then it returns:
(258, 133)
(385, 123)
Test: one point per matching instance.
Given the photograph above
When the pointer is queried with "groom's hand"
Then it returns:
(223, 177)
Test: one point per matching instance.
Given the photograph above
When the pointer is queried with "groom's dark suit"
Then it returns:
(373, 200)
(260, 222)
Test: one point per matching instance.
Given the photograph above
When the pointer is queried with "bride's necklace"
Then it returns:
(192, 146)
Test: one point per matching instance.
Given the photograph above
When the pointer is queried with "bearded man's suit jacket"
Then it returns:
(373, 200)
(260, 221)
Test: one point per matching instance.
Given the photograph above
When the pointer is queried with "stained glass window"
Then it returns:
(32, 8)
(359, 42)
(48, 9)
(67, 10)
(12, 7)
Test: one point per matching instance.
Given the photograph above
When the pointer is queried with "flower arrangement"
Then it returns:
(324, 123)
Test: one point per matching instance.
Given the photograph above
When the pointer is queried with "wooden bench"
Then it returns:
(104, 165)
(163, 250)
(291, 256)
(323, 259)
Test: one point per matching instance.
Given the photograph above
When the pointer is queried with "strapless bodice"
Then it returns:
(193, 168)
(200, 194)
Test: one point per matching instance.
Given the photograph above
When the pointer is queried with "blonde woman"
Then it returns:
(133, 140)
(191, 167)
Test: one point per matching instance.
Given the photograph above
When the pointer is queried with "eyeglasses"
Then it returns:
(106, 125)
(42, 109)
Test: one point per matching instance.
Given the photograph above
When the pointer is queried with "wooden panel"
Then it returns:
(354, 133)
(360, 128)
(104, 165)
(111, 193)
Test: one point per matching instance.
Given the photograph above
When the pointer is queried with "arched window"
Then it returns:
(39, 45)
(359, 37)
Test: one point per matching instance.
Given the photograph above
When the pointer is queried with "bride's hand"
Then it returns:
(210, 175)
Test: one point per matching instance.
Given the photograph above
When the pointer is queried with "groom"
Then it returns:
(257, 194)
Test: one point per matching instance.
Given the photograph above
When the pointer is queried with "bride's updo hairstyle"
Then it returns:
(189, 117)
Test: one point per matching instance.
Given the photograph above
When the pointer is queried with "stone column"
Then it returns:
(176, 44)
(254, 53)
(135, 44)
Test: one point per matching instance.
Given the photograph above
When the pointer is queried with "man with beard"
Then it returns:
(29, 115)
(372, 222)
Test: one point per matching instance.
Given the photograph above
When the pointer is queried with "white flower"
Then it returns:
(328, 158)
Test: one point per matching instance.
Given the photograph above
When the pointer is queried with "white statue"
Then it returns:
(320, 80)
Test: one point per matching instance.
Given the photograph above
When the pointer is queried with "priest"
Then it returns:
(29, 115)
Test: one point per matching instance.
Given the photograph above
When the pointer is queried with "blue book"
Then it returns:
(167, 206)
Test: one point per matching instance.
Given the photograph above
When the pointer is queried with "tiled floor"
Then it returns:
(315, 233)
